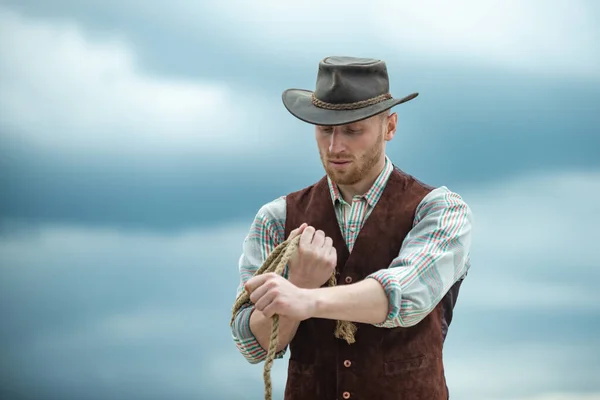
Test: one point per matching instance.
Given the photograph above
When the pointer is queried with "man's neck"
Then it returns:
(349, 191)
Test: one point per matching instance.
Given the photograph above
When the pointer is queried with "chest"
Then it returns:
(351, 218)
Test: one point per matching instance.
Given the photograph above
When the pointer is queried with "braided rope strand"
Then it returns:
(276, 262)
(350, 106)
(274, 338)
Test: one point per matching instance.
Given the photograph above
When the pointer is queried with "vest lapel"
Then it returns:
(374, 237)
(330, 224)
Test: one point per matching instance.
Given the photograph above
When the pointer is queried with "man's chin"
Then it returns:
(342, 178)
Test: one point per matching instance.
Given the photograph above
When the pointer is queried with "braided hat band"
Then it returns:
(350, 106)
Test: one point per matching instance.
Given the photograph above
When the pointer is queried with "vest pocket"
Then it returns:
(395, 367)
(300, 368)
(301, 381)
(418, 377)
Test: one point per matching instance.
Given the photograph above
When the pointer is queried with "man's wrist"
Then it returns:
(302, 283)
(316, 302)
(363, 301)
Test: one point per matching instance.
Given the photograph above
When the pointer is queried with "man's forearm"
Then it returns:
(261, 328)
(364, 302)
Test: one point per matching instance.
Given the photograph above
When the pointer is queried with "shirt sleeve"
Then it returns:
(266, 232)
(435, 254)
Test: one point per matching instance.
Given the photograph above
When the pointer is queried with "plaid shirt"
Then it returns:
(434, 255)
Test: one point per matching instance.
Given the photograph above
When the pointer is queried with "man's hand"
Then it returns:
(315, 261)
(273, 294)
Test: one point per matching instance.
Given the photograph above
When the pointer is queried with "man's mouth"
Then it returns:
(339, 163)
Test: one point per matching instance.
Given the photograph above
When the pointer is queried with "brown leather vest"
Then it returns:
(383, 363)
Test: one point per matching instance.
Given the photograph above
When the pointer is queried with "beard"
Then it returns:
(359, 166)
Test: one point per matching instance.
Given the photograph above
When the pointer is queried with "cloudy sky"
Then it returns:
(138, 139)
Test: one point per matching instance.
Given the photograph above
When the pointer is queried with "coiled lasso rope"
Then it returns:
(276, 262)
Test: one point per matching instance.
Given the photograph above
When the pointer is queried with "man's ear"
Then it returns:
(390, 129)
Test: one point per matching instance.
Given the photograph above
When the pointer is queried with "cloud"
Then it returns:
(533, 243)
(533, 36)
(526, 36)
(136, 312)
(68, 92)
(520, 370)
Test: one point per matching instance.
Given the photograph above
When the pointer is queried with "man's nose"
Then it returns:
(336, 144)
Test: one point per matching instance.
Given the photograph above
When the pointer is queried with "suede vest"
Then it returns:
(383, 363)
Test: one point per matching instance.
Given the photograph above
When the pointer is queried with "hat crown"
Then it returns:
(348, 89)
(343, 80)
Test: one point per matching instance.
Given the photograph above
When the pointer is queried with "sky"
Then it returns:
(139, 139)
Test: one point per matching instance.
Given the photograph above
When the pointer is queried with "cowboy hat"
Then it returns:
(348, 89)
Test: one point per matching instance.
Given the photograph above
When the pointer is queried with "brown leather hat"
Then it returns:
(348, 89)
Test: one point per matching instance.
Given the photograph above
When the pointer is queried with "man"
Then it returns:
(399, 248)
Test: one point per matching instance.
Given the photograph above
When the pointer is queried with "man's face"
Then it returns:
(350, 152)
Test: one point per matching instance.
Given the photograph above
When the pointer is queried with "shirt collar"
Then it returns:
(373, 194)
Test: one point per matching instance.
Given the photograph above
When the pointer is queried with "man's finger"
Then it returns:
(332, 252)
(298, 231)
(259, 292)
(307, 236)
(265, 300)
(255, 282)
(274, 307)
(319, 238)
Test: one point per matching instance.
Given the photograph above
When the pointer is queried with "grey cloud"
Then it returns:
(488, 136)
(93, 314)
(469, 125)
(552, 40)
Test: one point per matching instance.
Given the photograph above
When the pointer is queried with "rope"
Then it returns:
(276, 262)
(350, 106)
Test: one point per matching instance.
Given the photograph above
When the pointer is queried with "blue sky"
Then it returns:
(138, 140)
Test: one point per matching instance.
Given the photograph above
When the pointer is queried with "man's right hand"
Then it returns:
(315, 261)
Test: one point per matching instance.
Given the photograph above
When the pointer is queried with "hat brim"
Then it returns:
(299, 103)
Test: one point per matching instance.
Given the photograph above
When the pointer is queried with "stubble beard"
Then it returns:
(358, 169)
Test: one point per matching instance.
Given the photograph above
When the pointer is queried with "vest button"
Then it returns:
(347, 363)
(348, 279)
(346, 395)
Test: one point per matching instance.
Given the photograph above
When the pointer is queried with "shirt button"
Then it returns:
(348, 279)
(347, 363)
(346, 395)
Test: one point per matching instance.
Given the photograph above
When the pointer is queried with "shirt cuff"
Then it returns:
(245, 340)
(388, 280)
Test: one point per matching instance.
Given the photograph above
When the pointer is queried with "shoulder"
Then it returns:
(443, 195)
(443, 201)
(308, 191)
(275, 209)
(272, 211)
(269, 221)
(410, 181)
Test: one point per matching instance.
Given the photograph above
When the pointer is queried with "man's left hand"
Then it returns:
(273, 294)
